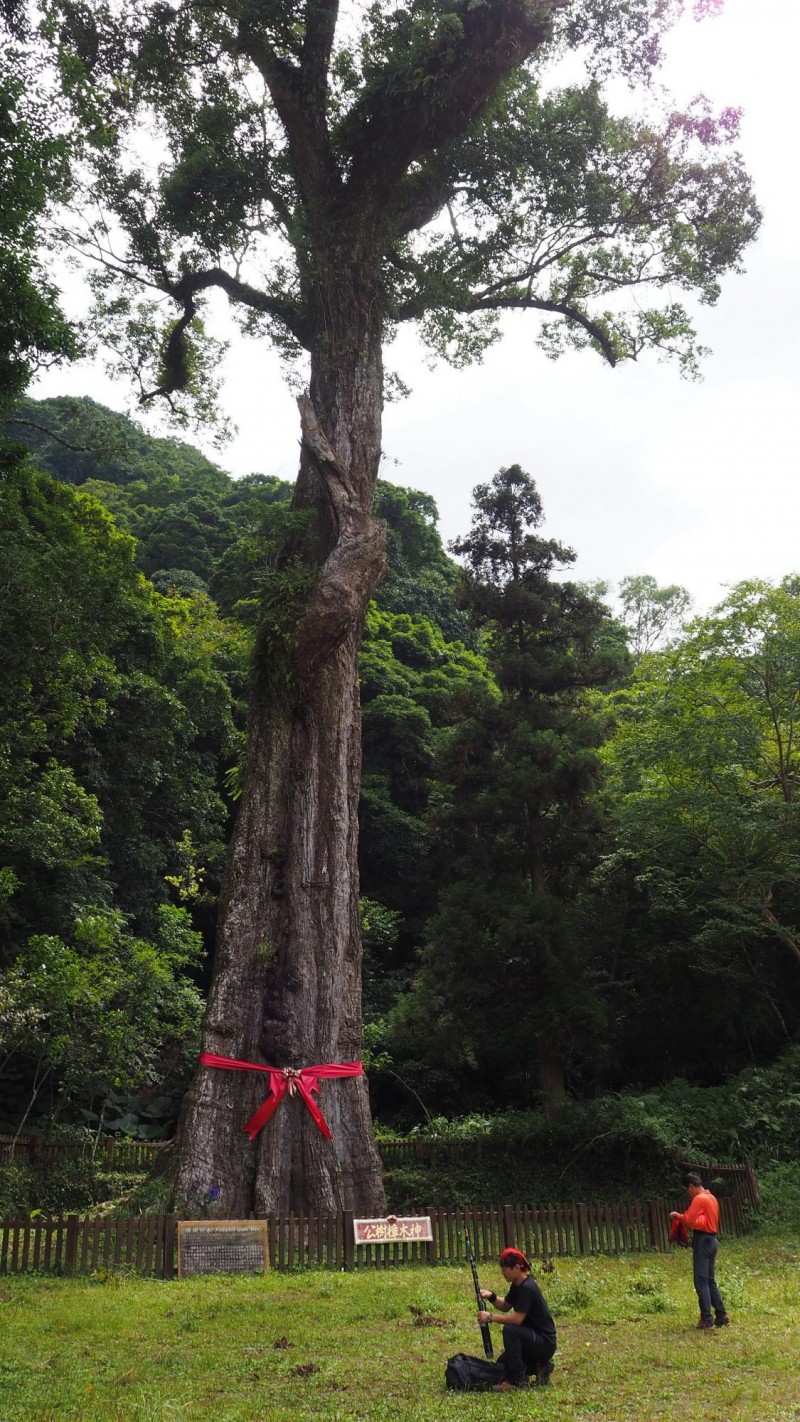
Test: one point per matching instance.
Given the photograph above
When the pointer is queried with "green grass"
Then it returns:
(136, 1350)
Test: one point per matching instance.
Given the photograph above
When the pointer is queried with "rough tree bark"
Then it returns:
(550, 1075)
(287, 973)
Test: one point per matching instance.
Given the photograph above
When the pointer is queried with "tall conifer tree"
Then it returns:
(502, 986)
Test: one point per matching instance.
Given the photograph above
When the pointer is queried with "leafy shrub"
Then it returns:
(16, 1190)
(69, 1185)
(646, 1289)
(755, 1115)
(602, 1150)
(60, 1186)
(118, 1184)
(614, 1147)
(780, 1196)
(567, 1298)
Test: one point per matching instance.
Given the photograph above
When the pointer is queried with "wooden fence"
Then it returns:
(736, 1180)
(146, 1245)
(69, 1245)
(114, 1154)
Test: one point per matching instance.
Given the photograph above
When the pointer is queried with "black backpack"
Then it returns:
(465, 1374)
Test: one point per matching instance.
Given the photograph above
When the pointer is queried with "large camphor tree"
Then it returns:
(336, 175)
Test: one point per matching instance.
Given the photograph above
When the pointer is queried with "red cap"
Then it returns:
(513, 1259)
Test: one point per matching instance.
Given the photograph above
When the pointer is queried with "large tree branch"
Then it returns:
(51, 434)
(425, 100)
(571, 314)
(320, 29)
(175, 363)
(413, 310)
(420, 198)
(348, 515)
(244, 295)
(299, 98)
(781, 933)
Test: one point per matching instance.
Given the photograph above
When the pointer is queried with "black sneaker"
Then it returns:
(544, 1372)
(705, 1323)
(721, 1321)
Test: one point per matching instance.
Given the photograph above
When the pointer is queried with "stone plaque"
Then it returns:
(222, 1247)
(394, 1230)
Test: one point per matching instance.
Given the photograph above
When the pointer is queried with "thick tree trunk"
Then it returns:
(551, 1078)
(550, 1064)
(287, 974)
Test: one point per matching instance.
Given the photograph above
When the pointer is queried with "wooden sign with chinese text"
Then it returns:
(222, 1247)
(393, 1230)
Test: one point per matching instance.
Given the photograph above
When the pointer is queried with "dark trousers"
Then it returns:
(704, 1253)
(523, 1348)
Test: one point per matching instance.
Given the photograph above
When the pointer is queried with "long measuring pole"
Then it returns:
(486, 1332)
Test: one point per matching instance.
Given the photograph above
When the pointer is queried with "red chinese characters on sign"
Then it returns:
(393, 1230)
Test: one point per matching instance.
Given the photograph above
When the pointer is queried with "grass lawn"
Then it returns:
(296, 1347)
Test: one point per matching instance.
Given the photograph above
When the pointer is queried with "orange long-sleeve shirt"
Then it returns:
(703, 1213)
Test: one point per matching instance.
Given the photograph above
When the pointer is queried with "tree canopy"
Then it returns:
(701, 894)
(115, 712)
(651, 613)
(34, 176)
(428, 135)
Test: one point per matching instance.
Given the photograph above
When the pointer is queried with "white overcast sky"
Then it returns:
(640, 472)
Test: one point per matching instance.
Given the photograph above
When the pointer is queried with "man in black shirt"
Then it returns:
(529, 1333)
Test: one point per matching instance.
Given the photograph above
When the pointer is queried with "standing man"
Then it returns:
(529, 1333)
(702, 1217)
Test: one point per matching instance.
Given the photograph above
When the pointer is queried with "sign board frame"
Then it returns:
(394, 1229)
(257, 1229)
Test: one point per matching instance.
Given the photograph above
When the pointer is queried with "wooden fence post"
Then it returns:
(655, 1226)
(433, 1254)
(15, 1229)
(583, 1229)
(752, 1184)
(349, 1240)
(72, 1244)
(507, 1217)
(168, 1264)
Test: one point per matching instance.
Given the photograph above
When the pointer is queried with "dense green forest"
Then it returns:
(580, 860)
(579, 846)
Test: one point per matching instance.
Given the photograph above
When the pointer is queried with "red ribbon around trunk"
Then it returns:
(282, 1079)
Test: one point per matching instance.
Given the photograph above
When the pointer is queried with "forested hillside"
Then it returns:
(580, 868)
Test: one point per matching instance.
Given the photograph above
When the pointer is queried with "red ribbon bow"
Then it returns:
(282, 1079)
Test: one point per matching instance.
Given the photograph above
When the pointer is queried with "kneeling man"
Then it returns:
(529, 1333)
